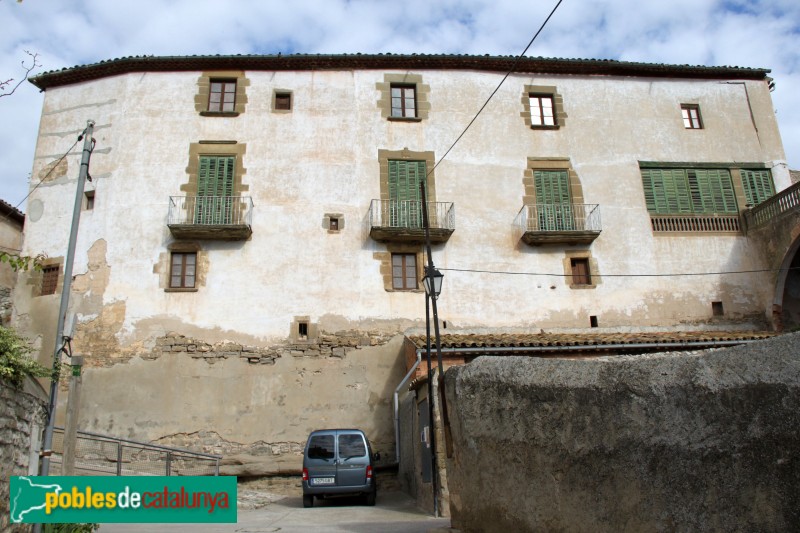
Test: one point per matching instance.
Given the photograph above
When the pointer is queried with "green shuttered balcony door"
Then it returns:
(215, 190)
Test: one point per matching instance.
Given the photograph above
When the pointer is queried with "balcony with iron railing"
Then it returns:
(558, 223)
(401, 221)
(225, 218)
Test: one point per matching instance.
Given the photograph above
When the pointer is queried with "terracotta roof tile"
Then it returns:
(599, 341)
(541, 65)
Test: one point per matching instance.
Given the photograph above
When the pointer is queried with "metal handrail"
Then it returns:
(210, 210)
(783, 202)
(407, 214)
(558, 217)
(93, 453)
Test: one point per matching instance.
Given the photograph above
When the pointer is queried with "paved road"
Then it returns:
(395, 512)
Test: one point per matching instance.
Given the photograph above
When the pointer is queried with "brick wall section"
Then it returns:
(19, 411)
(326, 345)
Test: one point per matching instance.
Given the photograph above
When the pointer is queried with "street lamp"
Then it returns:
(433, 282)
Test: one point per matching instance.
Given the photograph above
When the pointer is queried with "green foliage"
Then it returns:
(15, 360)
(21, 262)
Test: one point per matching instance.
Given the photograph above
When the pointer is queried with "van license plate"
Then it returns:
(322, 481)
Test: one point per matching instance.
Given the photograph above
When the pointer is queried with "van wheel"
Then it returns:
(370, 499)
(308, 500)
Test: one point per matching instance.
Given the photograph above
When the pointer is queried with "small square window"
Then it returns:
(404, 271)
(222, 96)
(50, 279)
(542, 110)
(333, 224)
(404, 101)
(691, 117)
(88, 200)
(717, 309)
(580, 271)
(183, 270)
(283, 101)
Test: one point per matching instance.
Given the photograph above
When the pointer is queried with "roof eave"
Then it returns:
(300, 62)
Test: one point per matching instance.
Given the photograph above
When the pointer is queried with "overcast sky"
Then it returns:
(65, 33)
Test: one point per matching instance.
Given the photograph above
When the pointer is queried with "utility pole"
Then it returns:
(47, 444)
(71, 424)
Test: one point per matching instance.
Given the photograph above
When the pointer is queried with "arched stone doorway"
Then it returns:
(786, 306)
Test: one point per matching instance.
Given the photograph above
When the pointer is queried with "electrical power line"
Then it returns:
(80, 138)
(513, 66)
(672, 275)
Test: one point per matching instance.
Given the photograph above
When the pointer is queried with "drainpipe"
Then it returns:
(397, 405)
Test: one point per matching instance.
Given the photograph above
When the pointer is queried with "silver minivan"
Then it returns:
(338, 462)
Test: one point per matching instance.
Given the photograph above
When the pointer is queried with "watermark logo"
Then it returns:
(125, 499)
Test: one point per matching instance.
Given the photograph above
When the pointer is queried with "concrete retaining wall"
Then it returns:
(694, 441)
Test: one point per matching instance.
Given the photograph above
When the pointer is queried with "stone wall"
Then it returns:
(694, 441)
(326, 345)
(23, 414)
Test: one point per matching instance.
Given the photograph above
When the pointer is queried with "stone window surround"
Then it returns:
(326, 222)
(385, 259)
(551, 163)
(422, 92)
(37, 276)
(594, 269)
(384, 156)
(294, 330)
(216, 148)
(164, 266)
(558, 105)
(275, 94)
(204, 88)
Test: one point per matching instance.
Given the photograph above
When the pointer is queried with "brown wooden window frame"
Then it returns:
(402, 87)
(403, 281)
(283, 101)
(50, 274)
(692, 120)
(537, 111)
(581, 271)
(222, 106)
(181, 275)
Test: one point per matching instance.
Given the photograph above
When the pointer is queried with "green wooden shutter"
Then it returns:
(553, 200)
(405, 208)
(712, 191)
(215, 190)
(666, 191)
(758, 186)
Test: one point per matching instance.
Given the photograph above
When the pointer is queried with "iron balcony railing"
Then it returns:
(210, 210)
(407, 214)
(783, 202)
(97, 454)
(558, 218)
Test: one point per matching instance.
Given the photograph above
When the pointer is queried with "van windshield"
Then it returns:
(351, 446)
(321, 447)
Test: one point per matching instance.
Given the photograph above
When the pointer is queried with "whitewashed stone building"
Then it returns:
(250, 255)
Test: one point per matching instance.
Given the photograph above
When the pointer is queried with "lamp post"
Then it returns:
(432, 281)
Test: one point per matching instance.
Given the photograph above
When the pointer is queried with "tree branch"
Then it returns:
(34, 63)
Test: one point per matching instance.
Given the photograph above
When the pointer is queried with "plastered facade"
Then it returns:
(324, 159)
